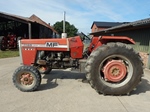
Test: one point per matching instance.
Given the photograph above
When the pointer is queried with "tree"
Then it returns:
(71, 30)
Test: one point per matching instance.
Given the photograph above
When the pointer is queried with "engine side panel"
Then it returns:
(28, 55)
(29, 48)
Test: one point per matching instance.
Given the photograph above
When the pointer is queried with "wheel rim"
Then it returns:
(115, 70)
(26, 79)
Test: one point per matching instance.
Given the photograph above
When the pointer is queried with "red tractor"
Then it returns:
(111, 65)
(9, 42)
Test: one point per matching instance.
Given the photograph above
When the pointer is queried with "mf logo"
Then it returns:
(51, 44)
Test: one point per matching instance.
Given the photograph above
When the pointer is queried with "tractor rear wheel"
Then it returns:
(26, 78)
(3, 43)
(114, 69)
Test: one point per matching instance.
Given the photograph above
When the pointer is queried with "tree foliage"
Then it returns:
(71, 30)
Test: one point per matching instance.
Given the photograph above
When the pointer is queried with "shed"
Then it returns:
(29, 27)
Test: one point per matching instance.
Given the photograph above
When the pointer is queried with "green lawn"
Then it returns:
(9, 53)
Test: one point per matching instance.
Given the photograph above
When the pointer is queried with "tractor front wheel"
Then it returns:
(26, 78)
(114, 69)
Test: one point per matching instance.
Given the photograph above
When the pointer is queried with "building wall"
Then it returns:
(45, 32)
(140, 36)
(96, 29)
(40, 31)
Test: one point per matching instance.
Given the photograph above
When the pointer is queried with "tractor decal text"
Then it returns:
(51, 44)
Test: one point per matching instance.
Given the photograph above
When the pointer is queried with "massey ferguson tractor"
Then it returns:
(111, 65)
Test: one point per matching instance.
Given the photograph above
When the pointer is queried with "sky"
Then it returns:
(80, 13)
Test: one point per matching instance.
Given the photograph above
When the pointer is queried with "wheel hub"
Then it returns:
(26, 79)
(114, 70)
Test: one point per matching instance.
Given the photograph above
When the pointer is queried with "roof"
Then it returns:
(31, 19)
(13, 17)
(107, 24)
(142, 22)
(36, 19)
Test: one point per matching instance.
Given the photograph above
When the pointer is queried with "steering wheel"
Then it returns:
(83, 36)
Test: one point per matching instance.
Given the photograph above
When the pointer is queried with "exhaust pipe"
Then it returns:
(64, 35)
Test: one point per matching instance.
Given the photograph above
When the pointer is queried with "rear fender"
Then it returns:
(99, 41)
(123, 39)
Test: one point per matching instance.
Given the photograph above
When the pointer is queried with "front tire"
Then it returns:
(114, 69)
(26, 78)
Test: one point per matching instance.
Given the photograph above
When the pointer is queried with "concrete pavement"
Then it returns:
(63, 91)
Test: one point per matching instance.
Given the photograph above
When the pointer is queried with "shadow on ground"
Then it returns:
(54, 75)
(143, 87)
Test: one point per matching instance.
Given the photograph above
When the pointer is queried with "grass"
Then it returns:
(9, 53)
